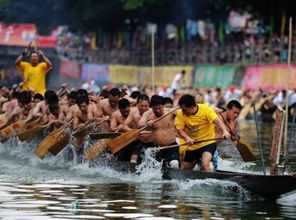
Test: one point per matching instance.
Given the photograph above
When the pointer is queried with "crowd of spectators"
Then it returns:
(237, 48)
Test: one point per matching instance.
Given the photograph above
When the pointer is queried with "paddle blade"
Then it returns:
(12, 129)
(60, 145)
(95, 150)
(31, 130)
(246, 150)
(42, 149)
(121, 141)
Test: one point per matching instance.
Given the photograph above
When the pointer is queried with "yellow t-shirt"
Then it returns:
(34, 76)
(199, 126)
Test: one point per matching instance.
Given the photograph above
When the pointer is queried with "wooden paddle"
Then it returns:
(178, 145)
(57, 138)
(62, 141)
(108, 135)
(121, 141)
(246, 150)
(31, 132)
(93, 151)
(9, 130)
(42, 150)
(81, 132)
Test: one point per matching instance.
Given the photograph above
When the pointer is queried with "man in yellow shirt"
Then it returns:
(34, 71)
(195, 122)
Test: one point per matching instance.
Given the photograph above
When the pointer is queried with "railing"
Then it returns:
(256, 54)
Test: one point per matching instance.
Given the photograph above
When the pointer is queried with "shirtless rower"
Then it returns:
(41, 109)
(129, 153)
(110, 105)
(72, 106)
(163, 131)
(84, 113)
(24, 108)
(229, 116)
(137, 112)
(12, 104)
(68, 105)
(56, 117)
(118, 117)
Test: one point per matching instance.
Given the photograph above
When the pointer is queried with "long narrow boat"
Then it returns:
(268, 187)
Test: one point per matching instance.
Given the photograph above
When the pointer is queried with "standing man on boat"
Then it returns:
(196, 122)
(34, 72)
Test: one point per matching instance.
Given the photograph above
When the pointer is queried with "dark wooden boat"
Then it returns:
(269, 187)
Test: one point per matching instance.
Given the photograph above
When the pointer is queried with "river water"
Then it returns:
(53, 188)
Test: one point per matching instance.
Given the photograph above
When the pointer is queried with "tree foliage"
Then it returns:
(113, 15)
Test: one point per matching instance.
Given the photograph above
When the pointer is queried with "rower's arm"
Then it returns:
(114, 125)
(218, 122)
(182, 134)
(144, 119)
(76, 120)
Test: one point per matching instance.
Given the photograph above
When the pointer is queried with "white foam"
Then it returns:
(167, 206)
(288, 200)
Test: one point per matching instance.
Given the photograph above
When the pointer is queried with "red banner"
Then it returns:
(70, 69)
(17, 34)
(47, 41)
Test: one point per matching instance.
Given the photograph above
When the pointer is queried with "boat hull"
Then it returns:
(269, 187)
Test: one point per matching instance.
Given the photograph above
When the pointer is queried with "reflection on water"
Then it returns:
(31, 188)
(248, 132)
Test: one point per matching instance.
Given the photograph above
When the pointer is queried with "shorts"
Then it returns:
(191, 155)
(169, 154)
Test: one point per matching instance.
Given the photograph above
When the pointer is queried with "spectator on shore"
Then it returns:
(177, 82)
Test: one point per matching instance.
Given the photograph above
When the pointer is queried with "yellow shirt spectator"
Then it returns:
(34, 76)
(199, 126)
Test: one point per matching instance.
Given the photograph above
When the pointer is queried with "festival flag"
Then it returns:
(119, 40)
(182, 34)
(271, 26)
(283, 25)
(93, 44)
(221, 32)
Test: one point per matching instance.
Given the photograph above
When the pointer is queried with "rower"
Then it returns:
(12, 104)
(196, 122)
(83, 113)
(110, 105)
(24, 108)
(228, 116)
(118, 117)
(129, 153)
(137, 112)
(41, 109)
(162, 132)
